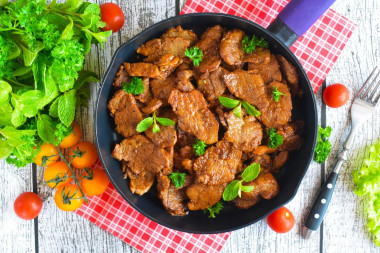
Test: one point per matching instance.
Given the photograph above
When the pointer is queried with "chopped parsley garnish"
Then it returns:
(276, 94)
(214, 209)
(135, 86)
(195, 54)
(323, 148)
(178, 179)
(249, 45)
(199, 147)
(275, 139)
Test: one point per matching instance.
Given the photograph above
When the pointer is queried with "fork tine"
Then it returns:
(374, 92)
(362, 88)
(370, 86)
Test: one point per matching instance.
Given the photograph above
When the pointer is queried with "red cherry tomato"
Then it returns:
(336, 95)
(113, 16)
(281, 220)
(28, 205)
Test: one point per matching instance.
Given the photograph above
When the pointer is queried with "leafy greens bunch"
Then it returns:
(42, 52)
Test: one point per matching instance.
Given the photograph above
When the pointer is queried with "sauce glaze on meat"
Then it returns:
(188, 95)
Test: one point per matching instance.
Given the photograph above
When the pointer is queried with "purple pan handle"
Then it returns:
(297, 17)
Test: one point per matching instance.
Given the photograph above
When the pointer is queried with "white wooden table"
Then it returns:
(343, 229)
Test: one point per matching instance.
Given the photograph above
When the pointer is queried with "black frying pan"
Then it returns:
(230, 218)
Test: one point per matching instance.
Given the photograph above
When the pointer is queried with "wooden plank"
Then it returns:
(344, 225)
(68, 232)
(16, 235)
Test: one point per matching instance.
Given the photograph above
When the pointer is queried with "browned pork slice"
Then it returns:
(194, 117)
(218, 165)
(165, 138)
(184, 80)
(202, 196)
(292, 135)
(230, 47)
(140, 183)
(265, 186)
(259, 55)
(167, 64)
(269, 72)
(152, 106)
(264, 161)
(245, 133)
(209, 44)
(182, 33)
(155, 48)
(185, 139)
(161, 89)
(146, 96)
(277, 113)
(173, 199)
(247, 86)
(279, 160)
(121, 77)
(127, 115)
(142, 155)
(212, 85)
(291, 75)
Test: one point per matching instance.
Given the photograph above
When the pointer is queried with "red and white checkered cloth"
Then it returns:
(317, 50)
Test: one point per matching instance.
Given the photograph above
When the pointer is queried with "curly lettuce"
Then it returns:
(367, 180)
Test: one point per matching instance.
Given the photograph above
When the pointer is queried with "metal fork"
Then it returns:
(361, 110)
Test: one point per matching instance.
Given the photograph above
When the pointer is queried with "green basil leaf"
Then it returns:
(165, 121)
(66, 107)
(68, 32)
(85, 76)
(6, 114)
(53, 110)
(144, 124)
(228, 102)
(22, 71)
(247, 188)
(31, 102)
(237, 111)
(156, 128)
(251, 172)
(46, 128)
(28, 55)
(15, 136)
(5, 149)
(232, 190)
(251, 110)
(18, 118)
(5, 89)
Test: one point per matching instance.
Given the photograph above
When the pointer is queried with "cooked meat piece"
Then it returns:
(218, 165)
(165, 138)
(212, 85)
(247, 86)
(194, 117)
(277, 113)
(187, 152)
(209, 44)
(269, 72)
(167, 64)
(172, 198)
(183, 80)
(146, 96)
(188, 165)
(221, 115)
(142, 69)
(260, 55)
(230, 47)
(185, 139)
(167, 112)
(152, 106)
(245, 133)
(186, 64)
(127, 115)
(265, 186)
(161, 89)
(264, 161)
(155, 48)
(291, 75)
(142, 155)
(140, 183)
(263, 150)
(180, 32)
(291, 133)
(202, 196)
(121, 77)
(280, 159)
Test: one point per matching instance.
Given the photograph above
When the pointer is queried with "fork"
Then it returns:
(361, 110)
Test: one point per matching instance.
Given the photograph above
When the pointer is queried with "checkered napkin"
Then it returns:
(317, 50)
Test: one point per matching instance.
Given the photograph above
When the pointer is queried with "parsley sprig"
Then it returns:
(195, 54)
(276, 94)
(199, 147)
(177, 178)
(214, 209)
(323, 148)
(236, 106)
(135, 86)
(249, 45)
(235, 188)
(147, 122)
(275, 139)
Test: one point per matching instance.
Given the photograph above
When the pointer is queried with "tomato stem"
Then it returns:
(72, 173)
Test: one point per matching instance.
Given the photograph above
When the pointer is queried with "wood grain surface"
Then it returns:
(343, 229)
